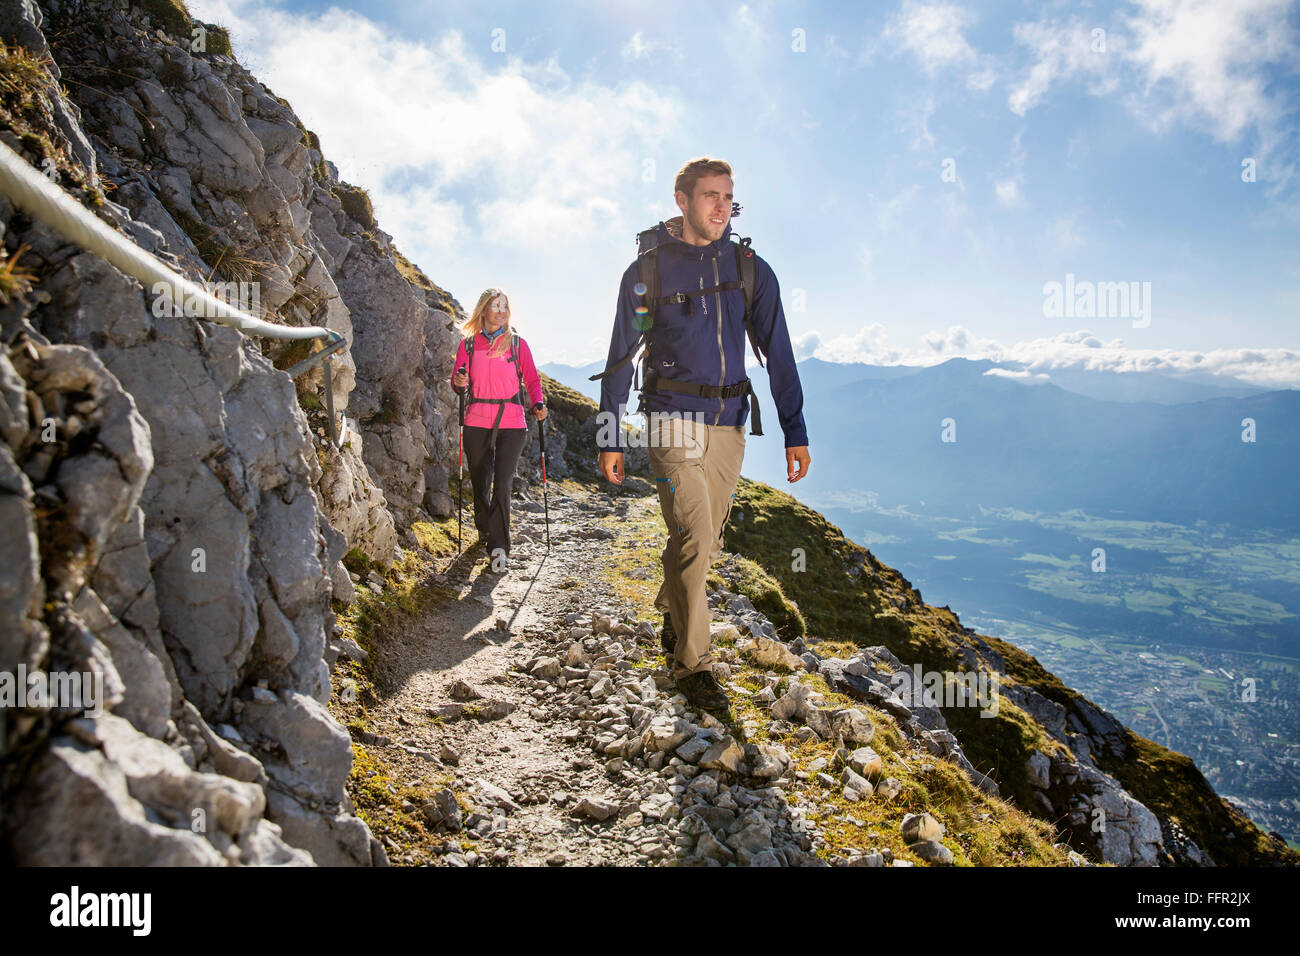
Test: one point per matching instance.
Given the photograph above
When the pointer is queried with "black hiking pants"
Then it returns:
(492, 473)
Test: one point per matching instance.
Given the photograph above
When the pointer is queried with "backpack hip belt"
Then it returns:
(501, 404)
(656, 383)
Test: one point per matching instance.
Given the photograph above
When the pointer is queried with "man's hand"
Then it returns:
(797, 462)
(611, 466)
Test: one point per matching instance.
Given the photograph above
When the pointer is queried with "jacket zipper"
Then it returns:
(722, 377)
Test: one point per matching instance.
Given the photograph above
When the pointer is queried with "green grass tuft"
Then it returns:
(356, 205)
(171, 14)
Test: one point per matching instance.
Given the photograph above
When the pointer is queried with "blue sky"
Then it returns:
(1112, 157)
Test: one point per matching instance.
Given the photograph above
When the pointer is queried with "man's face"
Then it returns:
(709, 210)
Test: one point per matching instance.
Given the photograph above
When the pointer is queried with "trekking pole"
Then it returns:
(460, 458)
(541, 437)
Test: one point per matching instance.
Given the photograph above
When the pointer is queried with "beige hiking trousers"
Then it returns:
(696, 468)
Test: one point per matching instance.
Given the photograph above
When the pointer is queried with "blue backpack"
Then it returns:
(648, 380)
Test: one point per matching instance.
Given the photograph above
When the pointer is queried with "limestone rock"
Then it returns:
(773, 655)
(598, 808)
(921, 826)
(726, 755)
(932, 851)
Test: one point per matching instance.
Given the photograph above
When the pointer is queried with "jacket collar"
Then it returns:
(670, 236)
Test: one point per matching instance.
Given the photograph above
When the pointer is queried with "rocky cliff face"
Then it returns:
(174, 514)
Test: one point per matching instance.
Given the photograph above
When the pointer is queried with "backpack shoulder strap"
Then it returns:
(647, 259)
(647, 256)
(514, 354)
(745, 266)
(648, 265)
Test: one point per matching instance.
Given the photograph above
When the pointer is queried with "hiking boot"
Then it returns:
(668, 639)
(701, 690)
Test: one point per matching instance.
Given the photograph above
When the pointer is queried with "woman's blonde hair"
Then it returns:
(474, 324)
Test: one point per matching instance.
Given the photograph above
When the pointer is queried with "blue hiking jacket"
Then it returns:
(709, 346)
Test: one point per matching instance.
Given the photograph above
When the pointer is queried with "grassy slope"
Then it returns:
(840, 605)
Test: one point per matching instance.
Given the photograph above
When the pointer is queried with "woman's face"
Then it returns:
(497, 312)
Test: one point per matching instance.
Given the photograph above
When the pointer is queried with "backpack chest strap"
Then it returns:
(684, 298)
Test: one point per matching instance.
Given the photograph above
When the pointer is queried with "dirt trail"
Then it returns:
(498, 623)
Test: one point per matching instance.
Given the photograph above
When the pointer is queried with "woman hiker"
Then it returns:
(492, 365)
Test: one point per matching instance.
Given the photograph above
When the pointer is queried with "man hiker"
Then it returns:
(693, 298)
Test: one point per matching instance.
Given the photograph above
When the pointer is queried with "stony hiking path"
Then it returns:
(558, 729)
(468, 648)
(463, 653)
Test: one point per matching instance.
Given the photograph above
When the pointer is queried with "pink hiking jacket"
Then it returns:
(494, 376)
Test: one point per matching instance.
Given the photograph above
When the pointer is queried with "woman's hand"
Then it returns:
(460, 378)
(540, 413)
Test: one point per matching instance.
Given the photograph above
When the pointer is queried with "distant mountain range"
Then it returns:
(1143, 445)
(1160, 387)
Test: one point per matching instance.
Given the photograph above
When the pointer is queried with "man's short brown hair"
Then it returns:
(696, 170)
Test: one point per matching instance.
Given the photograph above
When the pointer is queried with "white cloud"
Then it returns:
(933, 33)
(805, 345)
(1061, 50)
(868, 344)
(636, 48)
(955, 340)
(1202, 62)
(639, 48)
(1024, 376)
(1007, 189)
(1268, 368)
(1008, 192)
(419, 211)
(1208, 65)
(518, 146)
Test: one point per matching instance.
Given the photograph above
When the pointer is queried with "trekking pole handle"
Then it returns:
(541, 438)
